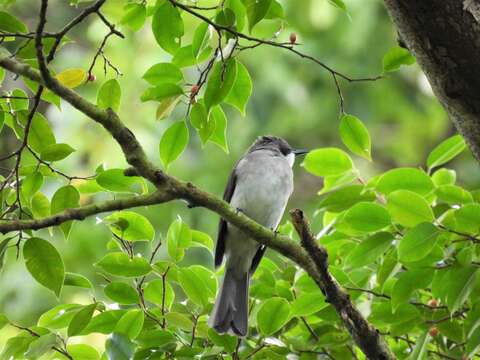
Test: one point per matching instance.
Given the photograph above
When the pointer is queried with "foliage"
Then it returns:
(404, 242)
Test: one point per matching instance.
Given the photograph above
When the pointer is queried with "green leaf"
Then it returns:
(155, 338)
(3, 321)
(272, 315)
(369, 250)
(120, 264)
(366, 217)
(56, 152)
(72, 279)
(163, 73)
(256, 11)
(420, 349)
(131, 226)
(10, 24)
(179, 320)
(121, 293)
(154, 293)
(134, 16)
(193, 285)
(81, 319)
(115, 180)
(468, 218)
(22, 103)
(228, 342)
(397, 57)
(338, 4)
(173, 142)
(473, 342)
(131, 323)
(40, 346)
(220, 82)
(202, 239)
(161, 92)
(31, 184)
(44, 263)
(418, 242)
(454, 195)
(408, 282)
(40, 135)
(67, 197)
(119, 347)
(83, 352)
(16, 347)
(308, 303)
(444, 177)
(40, 205)
(219, 136)
(408, 209)
(241, 90)
(59, 317)
(344, 198)
(200, 120)
(179, 237)
(200, 38)
(459, 283)
(166, 107)
(355, 136)
(109, 95)
(327, 162)
(446, 151)
(405, 179)
(167, 27)
(104, 322)
(72, 78)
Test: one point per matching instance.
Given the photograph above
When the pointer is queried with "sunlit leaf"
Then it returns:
(446, 151)
(256, 11)
(109, 95)
(121, 293)
(220, 82)
(273, 314)
(131, 323)
(241, 90)
(173, 142)
(131, 226)
(327, 162)
(355, 136)
(134, 16)
(418, 242)
(163, 73)
(10, 24)
(121, 264)
(56, 152)
(167, 26)
(81, 319)
(397, 57)
(408, 209)
(71, 78)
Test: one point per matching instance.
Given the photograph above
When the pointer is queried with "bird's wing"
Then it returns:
(222, 226)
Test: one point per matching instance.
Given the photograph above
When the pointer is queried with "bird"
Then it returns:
(259, 186)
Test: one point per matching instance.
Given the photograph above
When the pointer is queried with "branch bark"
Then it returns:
(444, 37)
(169, 188)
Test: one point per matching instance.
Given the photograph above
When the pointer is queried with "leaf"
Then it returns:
(134, 16)
(327, 162)
(179, 237)
(407, 283)
(459, 283)
(397, 57)
(418, 242)
(308, 303)
(59, 317)
(219, 136)
(420, 349)
(454, 195)
(161, 92)
(200, 120)
(10, 24)
(40, 346)
(40, 135)
(468, 218)
(355, 136)
(16, 347)
(44, 264)
(408, 209)
(83, 352)
(444, 177)
(173, 142)
(179, 320)
(228, 342)
(241, 90)
(200, 38)
(369, 250)
(56, 152)
(446, 151)
(3, 321)
(340, 4)
(154, 293)
(121, 293)
(115, 180)
(473, 342)
(220, 82)
(131, 323)
(272, 315)
(344, 198)
(72, 279)
(155, 338)
(109, 95)
(81, 319)
(167, 27)
(166, 107)
(71, 78)
(256, 11)
(104, 322)
(193, 286)
(133, 226)
(31, 184)
(67, 197)
(202, 239)
(119, 347)
(120, 264)
(163, 73)
(366, 217)
(405, 179)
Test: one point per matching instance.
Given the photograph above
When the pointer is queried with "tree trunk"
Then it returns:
(444, 36)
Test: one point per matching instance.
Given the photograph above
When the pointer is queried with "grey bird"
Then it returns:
(259, 186)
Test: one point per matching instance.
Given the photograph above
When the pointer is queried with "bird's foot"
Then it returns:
(238, 210)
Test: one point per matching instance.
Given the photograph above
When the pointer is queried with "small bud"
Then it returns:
(194, 90)
(433, 303)
(293, 38)
(92, 77)
(434, 331)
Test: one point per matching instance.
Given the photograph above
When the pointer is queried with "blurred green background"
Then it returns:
(292, 97)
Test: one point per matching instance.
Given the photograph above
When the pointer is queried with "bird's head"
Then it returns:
(277, 144)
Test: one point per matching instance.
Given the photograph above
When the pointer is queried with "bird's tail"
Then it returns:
(230, 313)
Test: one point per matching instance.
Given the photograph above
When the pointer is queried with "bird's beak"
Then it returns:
(299, 152)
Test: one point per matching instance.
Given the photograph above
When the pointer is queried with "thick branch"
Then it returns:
(443, 36)
(364, 334)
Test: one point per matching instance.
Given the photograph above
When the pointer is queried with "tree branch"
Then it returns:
(364, 334)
